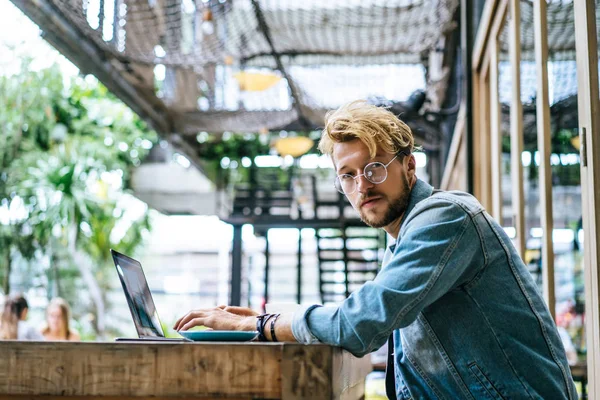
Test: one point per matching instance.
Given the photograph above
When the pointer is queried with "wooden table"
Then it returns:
(160, 370)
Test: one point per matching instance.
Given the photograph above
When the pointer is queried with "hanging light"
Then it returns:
(576, 142)
(256, 81)
(295, 146)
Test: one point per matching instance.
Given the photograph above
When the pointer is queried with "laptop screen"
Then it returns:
(137, 292)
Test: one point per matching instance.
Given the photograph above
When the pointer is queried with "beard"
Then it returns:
(396, 208)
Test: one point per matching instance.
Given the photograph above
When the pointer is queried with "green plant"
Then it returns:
(65, 159)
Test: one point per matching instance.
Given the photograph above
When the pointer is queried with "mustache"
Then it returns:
(367, 196)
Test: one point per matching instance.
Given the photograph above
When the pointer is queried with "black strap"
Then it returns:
(390, 381)
(273, 337)
(261, 321)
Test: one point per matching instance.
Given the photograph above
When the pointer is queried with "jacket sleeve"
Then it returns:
(439, 249)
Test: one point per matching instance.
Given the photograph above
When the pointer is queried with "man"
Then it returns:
(466, 318)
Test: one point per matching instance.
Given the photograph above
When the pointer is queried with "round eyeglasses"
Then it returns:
(375, 172)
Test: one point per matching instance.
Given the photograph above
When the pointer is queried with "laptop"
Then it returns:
(139, 299)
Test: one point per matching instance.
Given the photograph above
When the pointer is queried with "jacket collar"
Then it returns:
(420, 191)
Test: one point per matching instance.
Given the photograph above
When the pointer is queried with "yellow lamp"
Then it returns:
(576, 142)
(293, 146)
(256, 81)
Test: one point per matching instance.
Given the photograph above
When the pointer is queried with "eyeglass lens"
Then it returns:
(374, 172)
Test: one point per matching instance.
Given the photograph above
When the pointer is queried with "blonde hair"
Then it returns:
(65, 311)
(375, 126)
(9, 321)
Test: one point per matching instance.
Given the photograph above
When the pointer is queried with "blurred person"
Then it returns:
(570, 349)
(565, 317)
(13, 325)
(58, 315)
(461, 313)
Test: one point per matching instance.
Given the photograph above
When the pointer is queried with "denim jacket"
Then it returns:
(467, 318)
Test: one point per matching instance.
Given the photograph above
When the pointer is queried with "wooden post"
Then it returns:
(586, 44)
(544, 148)
(496, 137)
(516, 127)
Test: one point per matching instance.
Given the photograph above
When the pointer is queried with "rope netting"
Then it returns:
(562, 67)
(245, 65)
(196, 33)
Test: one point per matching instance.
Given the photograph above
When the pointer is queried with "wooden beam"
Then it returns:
(544, 134)
(482, 136)
(489, 27)
(495, 135)
(450, 171)
(586, 44)
(485, 65)
(487, 150)
(483, 32)
(476, 132)
(499, 21)
(516, 127)
(487, 138)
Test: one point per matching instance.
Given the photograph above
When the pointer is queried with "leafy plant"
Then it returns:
(65, 159)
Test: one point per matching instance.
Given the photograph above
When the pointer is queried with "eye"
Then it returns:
(346, 177)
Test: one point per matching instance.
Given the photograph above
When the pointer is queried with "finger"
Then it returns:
(177, 323)
(181, 321)
(194, 322)
(189, 316)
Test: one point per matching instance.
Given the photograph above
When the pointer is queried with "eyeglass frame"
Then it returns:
(403, 152)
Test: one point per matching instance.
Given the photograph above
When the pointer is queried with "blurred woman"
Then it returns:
(58, 315)
(12, 321)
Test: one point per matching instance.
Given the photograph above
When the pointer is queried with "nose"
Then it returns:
(363, 185)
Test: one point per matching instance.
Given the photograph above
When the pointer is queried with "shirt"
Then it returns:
(28, 332)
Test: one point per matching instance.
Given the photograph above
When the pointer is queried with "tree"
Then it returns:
(24, 118)
(65, 160)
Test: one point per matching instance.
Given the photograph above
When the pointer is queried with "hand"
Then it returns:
(244, 311)
(219, 318)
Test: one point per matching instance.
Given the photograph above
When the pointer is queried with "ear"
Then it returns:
(411, 165)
